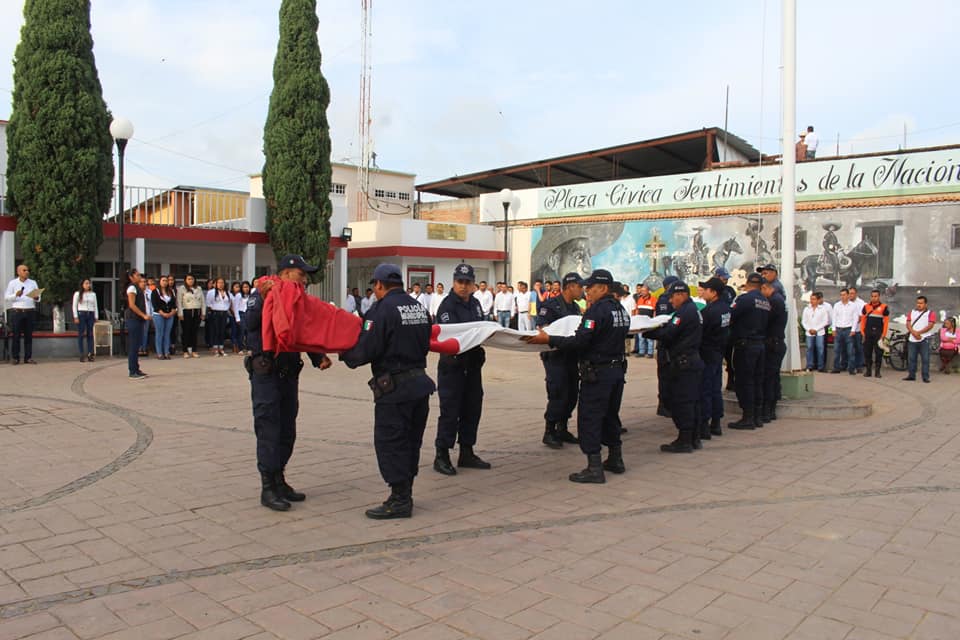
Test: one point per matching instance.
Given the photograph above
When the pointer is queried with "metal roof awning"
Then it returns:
(680, 153)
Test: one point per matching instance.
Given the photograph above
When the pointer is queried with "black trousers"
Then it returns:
(772, 359)
(663, 378)
(711, 389)
(598, 419)
(748, 363)
(275, 407)
(218, 327)
(685, 385)
(22, 326)
(871, 350)
(189, 328)
(563, 381)
(460, 389)
(397, 436)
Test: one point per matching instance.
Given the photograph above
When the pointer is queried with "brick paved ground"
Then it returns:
(130, 509)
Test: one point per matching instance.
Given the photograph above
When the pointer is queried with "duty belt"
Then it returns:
(408, 375)
(603, 364)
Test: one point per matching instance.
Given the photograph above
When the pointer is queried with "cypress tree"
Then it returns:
(296, 140)
(60, 165)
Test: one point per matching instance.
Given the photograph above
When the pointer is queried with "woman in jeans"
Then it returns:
(236, 299)
(219, 303)
(191, 310)
(135, 318)
(164, 302)
(949, 344)
(85, 313)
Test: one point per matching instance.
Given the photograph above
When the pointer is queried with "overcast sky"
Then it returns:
(461, 87)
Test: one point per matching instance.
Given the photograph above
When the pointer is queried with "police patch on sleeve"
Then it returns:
(676, 320)
(589, 324)
(445, 316)
(367, 325)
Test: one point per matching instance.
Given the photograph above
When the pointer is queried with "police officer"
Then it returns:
(716, 334)
(598, 342)
(749, 316)
(562, 373)
(680, 342)
(774, 350)
(663, 308)
(769, 273)
(395, 341)
(273, 389)
(459, 381)
(728, 295)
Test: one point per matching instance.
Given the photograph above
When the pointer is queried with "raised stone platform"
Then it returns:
(819, 406)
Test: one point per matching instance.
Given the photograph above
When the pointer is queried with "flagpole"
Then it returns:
(791, 361)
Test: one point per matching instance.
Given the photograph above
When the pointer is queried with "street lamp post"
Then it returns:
(122, 130)
(506, 197)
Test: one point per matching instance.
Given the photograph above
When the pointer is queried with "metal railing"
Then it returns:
(181, 207)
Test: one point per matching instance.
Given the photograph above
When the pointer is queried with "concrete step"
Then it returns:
(820, 406)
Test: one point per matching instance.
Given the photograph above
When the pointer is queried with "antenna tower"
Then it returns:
(366, 118)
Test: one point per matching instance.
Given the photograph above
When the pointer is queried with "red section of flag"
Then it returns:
(450, 346)
(294, 321)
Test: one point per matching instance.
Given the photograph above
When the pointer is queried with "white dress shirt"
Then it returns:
(216, 302)
(237, 304)
(23, 301)
(424, 299)
(86, 302)
(504, 302)
(628, 303)
(435, 301)
(860, 304)
(522, 302)
(816, 319)
(366, 303)
(812, 141)
(486, 300)
(845, 316)
(351, 304)
(918, 320)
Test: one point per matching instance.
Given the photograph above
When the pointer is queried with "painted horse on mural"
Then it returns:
(851, 266)
(721, 255)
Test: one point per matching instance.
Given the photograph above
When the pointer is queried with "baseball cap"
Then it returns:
(464, 272)
(669, 280)
(600, 276)
(720, 272)
(714, 284)
(755, 278)
(387, 273)
(296, 262)
(767, 267)
(678, 287)
(571, 278)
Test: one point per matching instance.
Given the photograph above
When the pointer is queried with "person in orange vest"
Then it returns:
(645, 305)
(874, 323)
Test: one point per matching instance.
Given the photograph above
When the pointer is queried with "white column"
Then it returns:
(8, 263)
(140, 254)
(340, 276)
(791, 361)
(249, 261)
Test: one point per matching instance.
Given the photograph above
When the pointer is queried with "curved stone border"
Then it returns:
(144, 438)
(34, 605)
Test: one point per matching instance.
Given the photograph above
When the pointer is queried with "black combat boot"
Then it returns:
(663, 411)
(695, 438)
(876, 372)
(442, 464)
(772, 411)
(705, 430)
(289, 493)
(593, 473)
(564, 435)
(715, 427)
(758, 416)
(398, 505)
(270, 494)
(469, 460)
(745, 422)
(867, 373)
(614, 461)
(765, 413)
(683, 443)
(550, 436)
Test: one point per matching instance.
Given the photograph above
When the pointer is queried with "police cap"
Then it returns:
(387, 273)
(296, 262)
(714, 284)
(464, 272)
(755, 278)
(767, 267)
(572, 278)
(599, 276)
(720, 272)
(669, 280)
(678, 287)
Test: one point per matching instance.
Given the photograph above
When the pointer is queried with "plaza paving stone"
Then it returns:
(130, 510)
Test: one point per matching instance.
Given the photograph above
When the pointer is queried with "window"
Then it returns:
(379, 193)
(406, 196)
(338, 188)
(383, 194)
(955, 236)
(882, 237)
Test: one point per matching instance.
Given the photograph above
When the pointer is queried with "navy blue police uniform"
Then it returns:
(274, 382)
(749, 316)
(459, 384)
(775, 349)
(395, 340)
(663, 308)
(562, 372)
(680, 342)
(716, 336)
(598, 343)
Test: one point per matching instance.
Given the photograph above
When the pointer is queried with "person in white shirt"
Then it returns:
(812, 140)
(522, 306)
(85, 314)
(218, 306)
(426, 298)
(921, 323)
(237, 303)
(504, 304)
(436, 299)
(24, 311)
(856, 335)
(846, 315)
(485, 296)
(815, 321)
(350, 305)
(367, 301)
